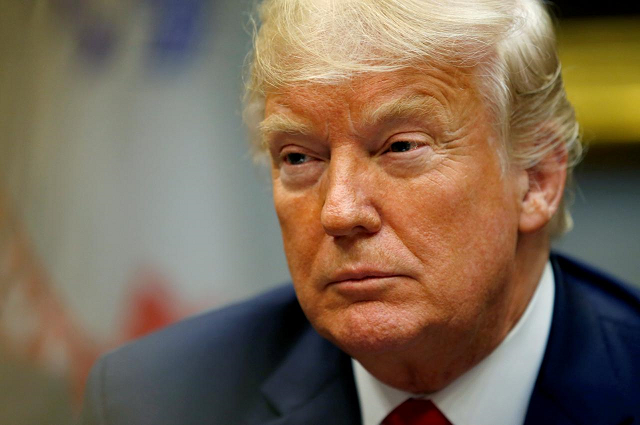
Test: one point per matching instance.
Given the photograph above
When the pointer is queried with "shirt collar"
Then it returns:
(496, 390)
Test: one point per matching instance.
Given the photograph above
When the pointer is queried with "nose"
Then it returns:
(349, 207)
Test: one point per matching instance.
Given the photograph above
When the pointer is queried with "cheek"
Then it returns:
(462, 231)
(298, 214)
(429, 213)
(302, 235)
(461, 198)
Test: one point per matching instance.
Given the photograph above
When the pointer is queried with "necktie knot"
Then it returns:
(416, 412)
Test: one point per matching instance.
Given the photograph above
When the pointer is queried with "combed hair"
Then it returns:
(508, 45)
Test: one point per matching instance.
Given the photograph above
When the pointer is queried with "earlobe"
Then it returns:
(545, 190)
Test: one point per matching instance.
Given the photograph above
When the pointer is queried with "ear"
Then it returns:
(544, 191)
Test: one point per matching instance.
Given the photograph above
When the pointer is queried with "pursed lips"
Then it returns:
(359, 274)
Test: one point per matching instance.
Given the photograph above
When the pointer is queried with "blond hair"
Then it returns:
(509, 45)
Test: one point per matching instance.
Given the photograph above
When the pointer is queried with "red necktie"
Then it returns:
(416, 412)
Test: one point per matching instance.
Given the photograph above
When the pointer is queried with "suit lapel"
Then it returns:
(313, 385)
(577, 380)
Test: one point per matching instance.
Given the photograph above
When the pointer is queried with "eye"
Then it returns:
(402, 146)
(296, 158)
(298, 169)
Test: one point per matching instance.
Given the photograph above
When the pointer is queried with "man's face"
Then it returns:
(398, 223)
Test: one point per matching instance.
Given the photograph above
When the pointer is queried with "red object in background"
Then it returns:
(38, 328)
(25, 285)
(151, 306)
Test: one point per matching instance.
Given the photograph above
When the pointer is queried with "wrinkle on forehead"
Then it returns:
(302, 110)
(409, 93)
(422, 91)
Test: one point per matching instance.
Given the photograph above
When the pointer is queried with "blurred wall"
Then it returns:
(124, 149)
(601, 71)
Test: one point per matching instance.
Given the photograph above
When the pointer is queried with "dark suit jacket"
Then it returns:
(260, 362)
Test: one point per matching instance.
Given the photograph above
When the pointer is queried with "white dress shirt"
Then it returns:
(495, 391)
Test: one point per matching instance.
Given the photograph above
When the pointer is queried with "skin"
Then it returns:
(409, 246)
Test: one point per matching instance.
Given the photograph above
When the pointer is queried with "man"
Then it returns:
(419, 152)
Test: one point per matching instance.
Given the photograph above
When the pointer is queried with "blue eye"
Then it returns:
(296, 158)
(402, 146)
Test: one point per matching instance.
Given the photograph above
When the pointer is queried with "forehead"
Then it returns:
(447, 91)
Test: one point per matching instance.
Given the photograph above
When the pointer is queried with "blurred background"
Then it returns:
(128, 199)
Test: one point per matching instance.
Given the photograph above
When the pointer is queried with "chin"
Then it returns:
(369, 328)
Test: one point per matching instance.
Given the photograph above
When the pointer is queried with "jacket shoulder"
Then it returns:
(590, 372)
(615, 309)
(214, 359)
(611, 299)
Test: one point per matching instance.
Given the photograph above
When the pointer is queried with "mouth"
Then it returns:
(358, 276)
(363, 285)
(361, 277)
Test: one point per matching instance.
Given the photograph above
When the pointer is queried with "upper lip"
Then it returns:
(359, 274)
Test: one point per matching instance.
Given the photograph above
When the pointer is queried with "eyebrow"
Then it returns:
(279, 123)
(401, 108)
